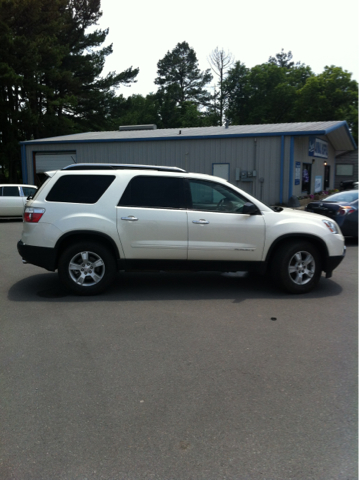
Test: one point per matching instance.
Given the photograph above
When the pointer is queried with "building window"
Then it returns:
(345, 169)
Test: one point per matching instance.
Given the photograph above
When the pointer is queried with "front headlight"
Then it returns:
(333, 227)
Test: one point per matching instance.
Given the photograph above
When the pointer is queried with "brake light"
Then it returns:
(33, 215)
(345, 210)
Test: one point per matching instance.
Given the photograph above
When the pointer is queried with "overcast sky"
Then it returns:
(318, 32)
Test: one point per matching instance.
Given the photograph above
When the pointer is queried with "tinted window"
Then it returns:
(11, 192)
(79, 188)
(28, 191)
(155, 192)
(215, 197)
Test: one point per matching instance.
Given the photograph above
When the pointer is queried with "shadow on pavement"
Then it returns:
(351, 242)
(158, 286)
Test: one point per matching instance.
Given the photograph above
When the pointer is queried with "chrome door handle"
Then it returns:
(200, 222)
(130, 218)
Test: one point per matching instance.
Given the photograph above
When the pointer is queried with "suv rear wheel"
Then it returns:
(297, 267)
(86, 268)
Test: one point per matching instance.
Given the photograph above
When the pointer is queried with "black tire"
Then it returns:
(297, 267)
(96, 268)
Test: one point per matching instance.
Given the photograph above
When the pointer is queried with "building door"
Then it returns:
(326, 176)
(306, 177)
(44, 162)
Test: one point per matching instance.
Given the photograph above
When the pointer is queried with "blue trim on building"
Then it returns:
(25, 176)
(291, 167)
(281, 186)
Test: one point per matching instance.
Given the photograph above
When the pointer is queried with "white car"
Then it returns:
(13, 199)
(88, 221)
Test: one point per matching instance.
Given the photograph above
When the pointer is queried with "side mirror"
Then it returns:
(249, 209)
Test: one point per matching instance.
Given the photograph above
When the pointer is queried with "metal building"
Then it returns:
(346, 168)
(271, 162)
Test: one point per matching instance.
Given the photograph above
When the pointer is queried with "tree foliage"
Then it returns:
(178, 74)
(282, 91)
(330, 95)
(51, 83)
(282, 59)
(50, 69)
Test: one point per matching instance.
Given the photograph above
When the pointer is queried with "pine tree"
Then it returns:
(179, 75)
(50, 73)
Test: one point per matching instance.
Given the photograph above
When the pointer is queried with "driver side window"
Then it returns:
(215, 197)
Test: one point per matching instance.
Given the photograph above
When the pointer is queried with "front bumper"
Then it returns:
(333, 262)
(40, 256)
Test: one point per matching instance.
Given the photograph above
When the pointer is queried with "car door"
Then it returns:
(217, 230)
(11, 203)
(152, 219)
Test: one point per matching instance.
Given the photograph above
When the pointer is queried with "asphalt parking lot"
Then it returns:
(177, 376)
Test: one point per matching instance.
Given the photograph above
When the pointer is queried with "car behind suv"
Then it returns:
(13, 199)
(88, 221)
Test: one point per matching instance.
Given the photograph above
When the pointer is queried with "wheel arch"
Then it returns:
(70, 238)
(316, 241)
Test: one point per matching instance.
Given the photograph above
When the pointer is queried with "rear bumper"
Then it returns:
(39, 256)
(333, 262)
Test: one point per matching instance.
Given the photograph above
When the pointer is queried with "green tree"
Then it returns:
(173, 115)
(135, 110)
(266, 93)
(282, 59)
(27, 40)
(273, 92)
(331, 95)
(50, 69)
(86, 58)
(179, 75)
(237, 90)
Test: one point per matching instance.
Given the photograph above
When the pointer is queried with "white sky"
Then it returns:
(318, 32)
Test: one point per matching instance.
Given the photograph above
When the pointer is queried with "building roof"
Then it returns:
(337, 133)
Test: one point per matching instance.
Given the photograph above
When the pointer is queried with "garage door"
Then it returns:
(45, 162)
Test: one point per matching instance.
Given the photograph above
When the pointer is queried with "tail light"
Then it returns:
(345, 210)
(33, 215)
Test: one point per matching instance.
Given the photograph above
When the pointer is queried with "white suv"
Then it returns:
(90, 220)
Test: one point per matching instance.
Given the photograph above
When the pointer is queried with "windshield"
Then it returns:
(349, 196)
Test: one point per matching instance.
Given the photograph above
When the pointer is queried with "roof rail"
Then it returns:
(120, 166)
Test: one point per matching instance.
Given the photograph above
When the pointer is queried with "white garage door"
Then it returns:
(45, 162)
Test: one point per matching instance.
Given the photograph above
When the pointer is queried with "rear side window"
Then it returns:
(29, 191)
(79, 188)
(153, 192)
(11, 192)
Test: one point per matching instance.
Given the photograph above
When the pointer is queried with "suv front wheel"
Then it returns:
(86, 268)
(297, 267)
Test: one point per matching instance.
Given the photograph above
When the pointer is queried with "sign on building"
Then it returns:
(318, 148)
